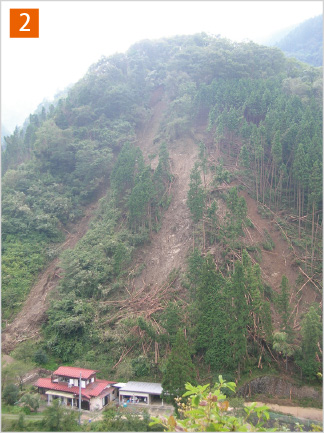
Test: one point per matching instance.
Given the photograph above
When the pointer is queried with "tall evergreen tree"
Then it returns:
(196, 195)
(179, 369)
(139, 202)
(315, 200)
(282, 345)
(239, 317)
(283, 305)
(311, 331)
(203, 160)
(213, 317)
(123, 174)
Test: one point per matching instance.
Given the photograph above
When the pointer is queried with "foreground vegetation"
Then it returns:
(201, 408)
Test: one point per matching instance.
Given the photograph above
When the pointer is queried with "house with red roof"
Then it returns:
(65, 382)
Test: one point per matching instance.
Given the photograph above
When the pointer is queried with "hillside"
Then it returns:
(178, 185)
(305, 42)
(4, 133)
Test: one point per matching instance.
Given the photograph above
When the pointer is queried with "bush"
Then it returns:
(268, 243)
(122, 420)
(10, 394)
(125, 370)
(140, 366)
(25, 351)
(40, 357)
(30, 402)
(207, 410)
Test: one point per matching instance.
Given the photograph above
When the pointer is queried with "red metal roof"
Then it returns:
(97, 387)
(92, 390)
(74, 372)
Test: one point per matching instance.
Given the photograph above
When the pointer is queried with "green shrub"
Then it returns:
(268, 243)
(40, 357)
(10, 394)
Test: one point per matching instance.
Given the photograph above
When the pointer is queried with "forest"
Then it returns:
(305, 42)
(246, 293)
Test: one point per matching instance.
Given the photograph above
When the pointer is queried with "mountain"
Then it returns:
(275, 37)
(177, 186)
(305, 42)
(4, 133)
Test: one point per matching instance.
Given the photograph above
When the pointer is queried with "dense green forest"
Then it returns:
(305, 42)
(262, 113)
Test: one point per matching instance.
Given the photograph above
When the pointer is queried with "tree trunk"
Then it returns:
(156, 352)
(313, 236)
(272, 170)
(204, 235)
(299, 209)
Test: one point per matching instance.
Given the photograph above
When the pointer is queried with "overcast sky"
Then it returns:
(75, 34)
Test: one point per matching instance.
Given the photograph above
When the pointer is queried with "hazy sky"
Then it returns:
(75, 34)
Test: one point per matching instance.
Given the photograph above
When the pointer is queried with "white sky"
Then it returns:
(75, 34)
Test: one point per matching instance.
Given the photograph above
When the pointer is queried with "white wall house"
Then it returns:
(64, 384)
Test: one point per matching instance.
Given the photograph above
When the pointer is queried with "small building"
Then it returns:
(140, 392)
(64, 384)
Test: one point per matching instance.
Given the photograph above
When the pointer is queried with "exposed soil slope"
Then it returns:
(279, 261)
(26, 324)
(169, 246)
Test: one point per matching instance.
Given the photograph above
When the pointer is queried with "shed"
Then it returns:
(141, 392)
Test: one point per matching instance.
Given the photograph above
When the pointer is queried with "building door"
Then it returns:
(85, 405)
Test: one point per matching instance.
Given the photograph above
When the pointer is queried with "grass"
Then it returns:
(14, 411)
(31, 416)
(51, 364)
(6, 408)
(309, 402)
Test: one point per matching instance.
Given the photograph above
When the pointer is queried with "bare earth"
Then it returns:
(169, 246)
(298, 412)
(278, 262)
(28, 321)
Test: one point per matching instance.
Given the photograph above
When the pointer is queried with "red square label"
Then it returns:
(24, 23)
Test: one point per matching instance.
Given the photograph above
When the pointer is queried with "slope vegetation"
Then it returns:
(26, 325)
(305, 42)
(178, 186)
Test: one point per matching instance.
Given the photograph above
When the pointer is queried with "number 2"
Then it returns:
(22, 29)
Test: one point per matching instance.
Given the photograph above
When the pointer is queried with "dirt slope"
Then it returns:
(26, 324)
(278, 262)
(169, 246)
